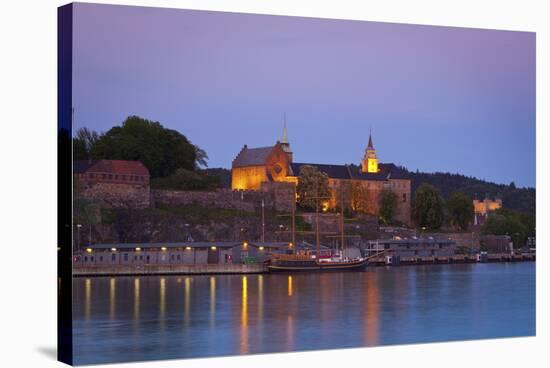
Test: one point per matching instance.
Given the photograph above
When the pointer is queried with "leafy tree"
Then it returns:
(513, 223)
(460, 209)
(388, 203)
(428, 208)
(360, 198)
(184, 179)
(161, 150)
(83, 142)
(201, 160)
(312, 187)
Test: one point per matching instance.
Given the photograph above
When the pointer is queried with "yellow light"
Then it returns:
(188, 248)
(290, 245)
(245, 244)
(261, 248)
(113, 249)
(163, 249)
(138, 249)
(89, 250)
(213, 247)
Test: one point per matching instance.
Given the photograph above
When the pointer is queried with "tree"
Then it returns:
(360, 198)
(388, 203)
(83, 142)
(460, 209)
(517, 225)
(428, 210)
(161, 150)
(201, 160)
(187, 180)
(312, 187)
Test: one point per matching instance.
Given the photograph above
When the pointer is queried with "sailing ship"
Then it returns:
(317, 260)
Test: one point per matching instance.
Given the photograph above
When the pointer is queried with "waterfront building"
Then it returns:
(412, 248)
(179, 253)
(361, 186)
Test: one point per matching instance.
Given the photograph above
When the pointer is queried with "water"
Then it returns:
(145, 318)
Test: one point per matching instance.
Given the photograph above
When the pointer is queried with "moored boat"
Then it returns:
(296, 263)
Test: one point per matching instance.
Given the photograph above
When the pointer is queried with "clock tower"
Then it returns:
(370, 162)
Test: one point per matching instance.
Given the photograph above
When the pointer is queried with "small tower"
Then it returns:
(285, 145)
(370, 162)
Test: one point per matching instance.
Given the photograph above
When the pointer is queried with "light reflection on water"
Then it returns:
(144, 318)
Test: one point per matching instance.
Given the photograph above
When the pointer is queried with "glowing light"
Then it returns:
(289, 285)
(163, 249)
(290, 245)
(187, 248)
(138, 249)
(89, 250)
(245, 244)
(261, 248)
(213, 247)
(113, 249)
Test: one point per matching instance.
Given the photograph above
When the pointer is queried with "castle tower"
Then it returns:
(370, 162)
(285, 145)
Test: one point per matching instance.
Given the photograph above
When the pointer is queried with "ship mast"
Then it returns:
(342, 218)
(317, 217)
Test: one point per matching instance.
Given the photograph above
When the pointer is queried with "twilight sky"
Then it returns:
(437, 98)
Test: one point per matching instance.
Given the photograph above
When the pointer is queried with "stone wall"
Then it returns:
(116, 194)
(277, 196)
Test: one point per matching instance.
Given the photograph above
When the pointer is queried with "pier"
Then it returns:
(256, 268)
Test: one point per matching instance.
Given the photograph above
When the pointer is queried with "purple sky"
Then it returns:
(437, 98)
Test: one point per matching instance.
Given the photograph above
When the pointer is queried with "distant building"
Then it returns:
(252, 167)
(482, 209)
(116, 183)
(497, 243)
(411, 248)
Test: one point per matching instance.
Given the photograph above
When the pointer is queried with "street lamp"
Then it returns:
(78, 226)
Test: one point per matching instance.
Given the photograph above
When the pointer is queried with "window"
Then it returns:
(110, 176)
(91, 176)
(116, 177)
(113, 257)
(404, 197)
(125, 256)
(100, 258)
(85, 258)
(104, 176)
(179, 257)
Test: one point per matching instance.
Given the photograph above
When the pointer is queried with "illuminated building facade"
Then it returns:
(358, 187)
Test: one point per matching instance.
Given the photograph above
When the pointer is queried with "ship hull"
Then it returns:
(313, 266)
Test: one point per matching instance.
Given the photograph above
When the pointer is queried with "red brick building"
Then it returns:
(116, 183)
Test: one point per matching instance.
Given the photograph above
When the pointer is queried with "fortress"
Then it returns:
(358, 187)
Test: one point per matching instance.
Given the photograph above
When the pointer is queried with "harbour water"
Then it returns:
(172, 317)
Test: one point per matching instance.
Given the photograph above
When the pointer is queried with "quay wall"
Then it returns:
(168, 269)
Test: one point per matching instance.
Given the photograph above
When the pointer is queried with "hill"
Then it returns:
(518, 199)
